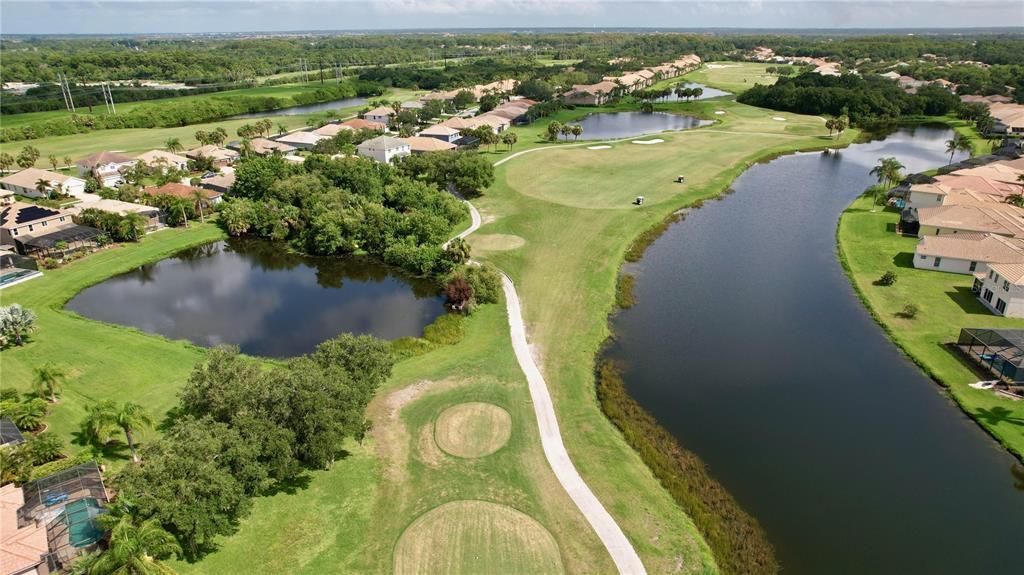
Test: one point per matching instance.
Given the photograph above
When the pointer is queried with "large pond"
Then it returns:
(609, 126)
(750, 346)
(252, 294)
(307, 109)
(707, 94)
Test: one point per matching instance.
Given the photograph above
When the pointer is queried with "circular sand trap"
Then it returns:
(476, 537)
(496, 242)
(719, 112)
(472, 429)
(778, 118)
(599, 147)
(654, 141)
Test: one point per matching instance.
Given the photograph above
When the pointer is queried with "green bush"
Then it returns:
(486, 283)
(624, 296)
(40, 471)
(406, 347)
(887, 279)
(446, 330)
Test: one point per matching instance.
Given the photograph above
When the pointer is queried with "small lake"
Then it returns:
(252, 294)
(307, 109)
(749, 345)
(612, 125)
(707, 95)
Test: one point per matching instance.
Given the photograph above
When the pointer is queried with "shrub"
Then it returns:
(486, 283)
(887, 279)
(51, 263)
(909, 311)
(406, 347)
(446, 330)
(40, 471)
(624, 297)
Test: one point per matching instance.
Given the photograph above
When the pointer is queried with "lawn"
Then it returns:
(735, 77)
(564, 221)
(102, 361)
(946, 304)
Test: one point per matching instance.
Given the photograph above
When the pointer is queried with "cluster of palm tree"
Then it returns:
(889, 172)
(1017, 199)
(260, 128)
(839, 125)
(565, 130)
(687, 93)
(134, 546)
(15, 323)
(104, 417)
(215, 137)
(959, 143)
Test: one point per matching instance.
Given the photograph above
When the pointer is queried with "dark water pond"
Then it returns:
(307, 109)
(608, 126)
(750, 346)
(251, 294)
(708, 93)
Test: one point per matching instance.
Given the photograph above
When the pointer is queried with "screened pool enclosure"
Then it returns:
(1000, 351)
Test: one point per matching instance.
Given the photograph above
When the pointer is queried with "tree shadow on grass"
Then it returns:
(290, 486)
(113, 449)
(997, 415)
(903, 260)
(968, 301)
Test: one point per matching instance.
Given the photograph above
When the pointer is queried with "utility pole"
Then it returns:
(103, 90)
(60, 82)
(67, 87)
(110, 95)
(321, 63)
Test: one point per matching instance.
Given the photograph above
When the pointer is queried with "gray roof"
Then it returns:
(383, 143)
(9, 433)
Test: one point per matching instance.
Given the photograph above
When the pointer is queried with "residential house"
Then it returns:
(19, 220)
(163, 160)
(967, 253)
(441, 132)
(26, 182)
(219, 156)
(381, 115)
(995, 218)
(218, 183)
(1009, 118)
(212, 197)
(301, 140)
(421, 145)
(987, 100)
(364, 124)
(152, 214)
(265, 147)
(665, 71)
(23, 548)
(106, 167)
(891, 75)
(496, 122)
(996, 173)
(384, 148)
(415, 105)
(591, 94)
(1001, 289)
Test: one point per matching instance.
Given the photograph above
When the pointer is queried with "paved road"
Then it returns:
(621, 550)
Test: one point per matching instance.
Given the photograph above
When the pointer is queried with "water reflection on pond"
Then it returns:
(707, 94)
(306, 109)
(252, 294)
(608, 126)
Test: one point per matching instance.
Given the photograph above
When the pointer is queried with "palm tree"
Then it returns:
(566, 130)
(281, 130)
(27, 415)
(697, 92)
(173, 145)
(1016, 200)
(68, 161)
(831, 125)
(130, 417)
(54, 162)
(577, 131)
(131, 226)
(48, 381)
(43, 187)
(957, 144)
(889, 172)
(16, 321)
(98, 420)
(199, 198)
(136, 549)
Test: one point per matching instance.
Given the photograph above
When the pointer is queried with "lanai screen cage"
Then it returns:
(48, 497)
(60, 241)
(1001, 351)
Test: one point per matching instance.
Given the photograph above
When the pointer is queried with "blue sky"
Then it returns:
(155, 16)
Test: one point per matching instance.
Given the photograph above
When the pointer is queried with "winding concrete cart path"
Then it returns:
(621, 550)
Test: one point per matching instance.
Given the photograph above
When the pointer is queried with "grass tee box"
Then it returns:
(946, 304)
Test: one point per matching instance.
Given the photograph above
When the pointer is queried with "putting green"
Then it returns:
(495, 242)
(476, 537)
(472, 429)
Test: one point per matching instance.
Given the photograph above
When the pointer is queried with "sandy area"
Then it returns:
(599, 147)
(654, 141)
(719, 112)
(778, 119)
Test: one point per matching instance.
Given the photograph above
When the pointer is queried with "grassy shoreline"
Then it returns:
(866, 249)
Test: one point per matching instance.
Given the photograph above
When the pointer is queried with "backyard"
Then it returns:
(946, 304)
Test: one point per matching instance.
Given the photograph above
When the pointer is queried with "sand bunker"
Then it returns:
(719, 112)
(654, 141)
(778, 118)
(599, 147)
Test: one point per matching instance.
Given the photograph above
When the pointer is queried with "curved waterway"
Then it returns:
(613, 125)
(253, 294)
(749, 345)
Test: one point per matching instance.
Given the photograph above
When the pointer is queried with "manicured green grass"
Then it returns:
(735, 77)
(102, 361)
(576, 233)
(869, 249)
